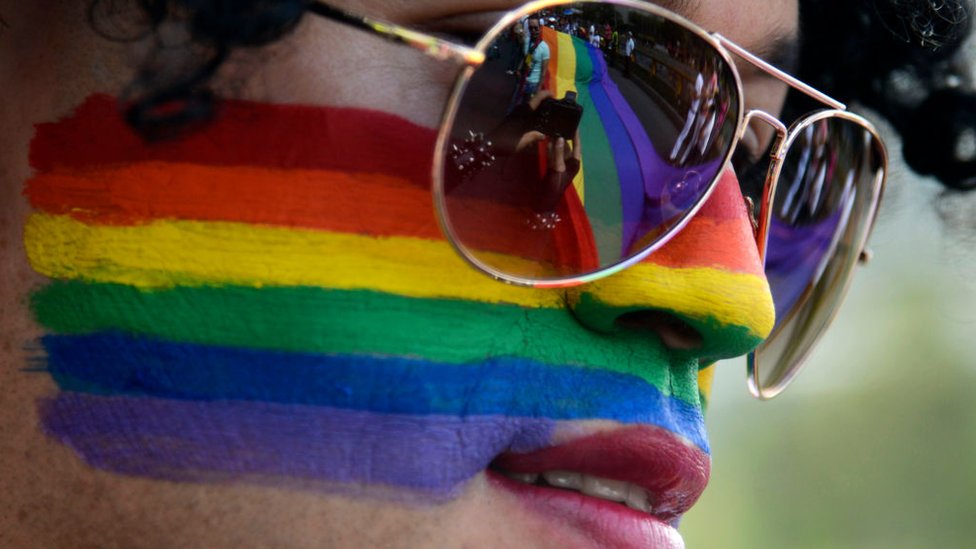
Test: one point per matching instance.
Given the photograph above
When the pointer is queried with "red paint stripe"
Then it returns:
(245, 134)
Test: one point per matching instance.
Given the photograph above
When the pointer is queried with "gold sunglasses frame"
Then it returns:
(470, 58)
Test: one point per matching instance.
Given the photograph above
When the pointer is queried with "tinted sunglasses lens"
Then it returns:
(623, 152)
(825, 202)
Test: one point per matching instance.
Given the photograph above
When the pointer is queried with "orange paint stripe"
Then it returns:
(316, 199)
(720, 235)
(550, 36)
(723, 244)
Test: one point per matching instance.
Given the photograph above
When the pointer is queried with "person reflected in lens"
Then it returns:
(630, 52)
(553, 124)
(231, 316)
(613, 47)
(535, 68)
(510, 46)
(514, 175)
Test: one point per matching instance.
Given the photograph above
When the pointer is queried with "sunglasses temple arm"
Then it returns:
(429, 45)
(780, 75)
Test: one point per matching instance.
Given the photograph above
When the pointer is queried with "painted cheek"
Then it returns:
(264, 280)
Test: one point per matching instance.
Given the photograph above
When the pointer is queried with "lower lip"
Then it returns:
(585, 521)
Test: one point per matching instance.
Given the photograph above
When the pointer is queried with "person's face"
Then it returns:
(535, 28)
(659, 322)
(426, 399)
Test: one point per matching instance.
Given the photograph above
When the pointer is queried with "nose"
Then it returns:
(703, 293)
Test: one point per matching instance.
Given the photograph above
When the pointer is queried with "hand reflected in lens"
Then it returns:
(564, 164)
(531, 137)
(519, 145)
(538, 98)
(564, 153)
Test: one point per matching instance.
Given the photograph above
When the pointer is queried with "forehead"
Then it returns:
(750, 23)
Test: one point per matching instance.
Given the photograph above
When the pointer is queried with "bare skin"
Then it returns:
(50, 60)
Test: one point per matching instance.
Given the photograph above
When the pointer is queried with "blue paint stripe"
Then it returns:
(117, 364)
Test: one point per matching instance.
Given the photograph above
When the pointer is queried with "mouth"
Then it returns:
(623, 488)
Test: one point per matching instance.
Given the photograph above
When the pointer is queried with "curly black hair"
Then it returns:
(171, 92)
(900, 58)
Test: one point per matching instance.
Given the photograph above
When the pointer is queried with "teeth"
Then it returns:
(614, 490)
(564, 479)
(638, 499)
(528, 478)
(619, 491)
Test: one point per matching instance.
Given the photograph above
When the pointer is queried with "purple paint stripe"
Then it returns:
(217, 441)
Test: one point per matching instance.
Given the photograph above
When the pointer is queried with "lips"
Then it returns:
(595, 484)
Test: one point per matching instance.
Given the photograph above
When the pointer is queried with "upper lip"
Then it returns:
(672, 470)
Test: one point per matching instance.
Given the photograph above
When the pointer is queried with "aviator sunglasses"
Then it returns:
(558, 162)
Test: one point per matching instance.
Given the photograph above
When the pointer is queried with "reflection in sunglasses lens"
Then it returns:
(570, 154)
(822, 214)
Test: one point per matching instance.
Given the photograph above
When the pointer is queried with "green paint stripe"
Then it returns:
(316, 320)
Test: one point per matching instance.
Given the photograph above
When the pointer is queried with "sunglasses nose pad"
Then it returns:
(750, 137)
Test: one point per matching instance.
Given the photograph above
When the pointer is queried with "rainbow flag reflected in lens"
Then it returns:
(648, 147)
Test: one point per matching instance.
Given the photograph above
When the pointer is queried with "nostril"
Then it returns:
(674, 332)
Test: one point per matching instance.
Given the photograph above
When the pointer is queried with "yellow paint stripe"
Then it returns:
(731, 298)
(192, 253)
(706, 376)
(566, 81)
(171, 253)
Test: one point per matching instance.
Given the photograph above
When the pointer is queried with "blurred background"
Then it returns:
(874, 445)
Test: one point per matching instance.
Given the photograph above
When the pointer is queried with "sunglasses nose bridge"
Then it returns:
(769, 120)
(762, 227)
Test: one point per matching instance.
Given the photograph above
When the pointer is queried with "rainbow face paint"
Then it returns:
(269, 300)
